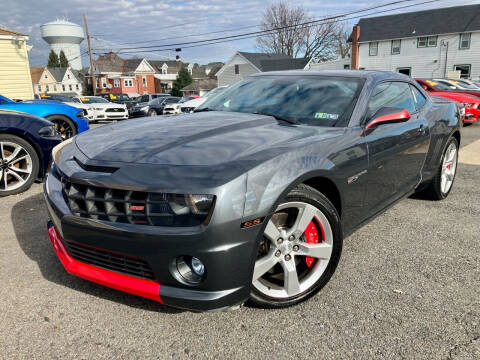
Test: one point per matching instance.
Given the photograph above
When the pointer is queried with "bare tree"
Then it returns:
(344, 45)
(295, 35)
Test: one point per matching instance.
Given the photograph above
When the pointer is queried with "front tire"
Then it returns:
(442, 183)
(152, 112)
(19, 165)
(299, 252)
(64, 126)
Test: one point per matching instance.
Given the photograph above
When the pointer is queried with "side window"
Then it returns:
(391, 94)
(145, 98)
(418, 98)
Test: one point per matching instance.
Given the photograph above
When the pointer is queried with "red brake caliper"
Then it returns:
(311, 235)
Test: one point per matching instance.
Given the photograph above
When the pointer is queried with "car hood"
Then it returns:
(107, 106)
(200, 139)
(194, 103)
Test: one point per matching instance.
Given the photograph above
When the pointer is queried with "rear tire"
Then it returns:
(295, 276)
(442, 183)
(64, 125)
(19, 165)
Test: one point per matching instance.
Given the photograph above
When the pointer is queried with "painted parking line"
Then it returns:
(470, 154)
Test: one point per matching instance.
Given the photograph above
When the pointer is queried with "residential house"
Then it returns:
(422, 44)
(56, 80)
(117, 75)
(15, 79)
(200, 87)
(243, 64)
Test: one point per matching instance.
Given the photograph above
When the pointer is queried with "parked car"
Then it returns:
(250, 197)
(153, 107)
(465, 83)
(157, 105)
(470, 104)
(104, 109)
(174, 108)
(26, 143)
(433, 86)
(74, 101)
(119, 98)
(68, 120)
(190, 106)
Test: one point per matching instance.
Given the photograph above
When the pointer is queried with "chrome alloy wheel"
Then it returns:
(15, 166)
(296, 250)
(449, 167)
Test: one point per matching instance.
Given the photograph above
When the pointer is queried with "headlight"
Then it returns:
(57, 150)
(100, 109)
(48, 131)
(467, 104)
(194, 204)
(144, 108)
(79, 114)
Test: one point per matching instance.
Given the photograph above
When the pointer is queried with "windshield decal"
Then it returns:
(320, 115)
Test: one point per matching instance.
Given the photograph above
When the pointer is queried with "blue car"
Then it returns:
(68, 120)
(26, 144)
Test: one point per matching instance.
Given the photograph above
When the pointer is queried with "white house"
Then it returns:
(243, 64)
(422, 44)
(56, 80)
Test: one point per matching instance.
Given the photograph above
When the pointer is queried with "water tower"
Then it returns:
(66, 36)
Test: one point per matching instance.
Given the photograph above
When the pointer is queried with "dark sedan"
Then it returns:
(26, 143)
(249, 198)
(153, 107)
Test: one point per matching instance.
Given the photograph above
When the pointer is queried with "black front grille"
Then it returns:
(110, 261)
(125, 206)
(115, 110)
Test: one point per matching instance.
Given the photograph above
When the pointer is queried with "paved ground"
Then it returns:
(408, 286)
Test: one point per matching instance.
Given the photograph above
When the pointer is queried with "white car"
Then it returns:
(104, 109)
(171, 109)
(88, 110)
(191, 105)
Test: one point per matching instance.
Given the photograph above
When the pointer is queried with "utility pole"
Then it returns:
(92, 72)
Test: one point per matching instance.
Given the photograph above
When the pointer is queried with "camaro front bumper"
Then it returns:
(227, 250)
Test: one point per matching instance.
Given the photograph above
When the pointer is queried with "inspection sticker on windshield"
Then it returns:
(326, 116)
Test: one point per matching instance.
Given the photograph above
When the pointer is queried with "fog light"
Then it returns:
(189, 270)
(197, 266)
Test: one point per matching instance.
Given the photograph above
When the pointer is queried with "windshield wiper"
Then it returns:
(289, 120)
(203, 109)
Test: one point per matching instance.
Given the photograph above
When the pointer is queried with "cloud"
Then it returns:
(136, 21)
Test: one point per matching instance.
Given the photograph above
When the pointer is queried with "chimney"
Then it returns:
(355, 37)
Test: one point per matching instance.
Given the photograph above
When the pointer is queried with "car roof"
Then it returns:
(375, 75)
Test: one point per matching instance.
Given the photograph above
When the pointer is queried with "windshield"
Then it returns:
(438, 85)
(94, 100)
(122, 96)
(466, 85)
(313, 100)
(185, 99)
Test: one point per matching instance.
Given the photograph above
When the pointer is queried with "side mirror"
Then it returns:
(424, 87)
(388, 115)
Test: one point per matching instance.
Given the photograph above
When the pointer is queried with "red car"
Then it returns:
(471, 104)
(435, 86)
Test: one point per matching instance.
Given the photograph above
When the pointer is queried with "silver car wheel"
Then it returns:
(282, 270)
(449, 167)
(15, 166)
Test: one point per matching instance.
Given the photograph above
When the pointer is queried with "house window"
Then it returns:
(396, 45)
(46, 76)
(432, 41)
(63, 87)
(128, 82)
(47, 88)
(164, 71)
(104, 83)
(464, 69)
(346, 67)
(77, 87)
(465, 41)
(405, 70)
(116, 83)
(68, 76)
(39, 88)
(237, 69)
(422, 42)
(373, 49)
(144, 81)
(54, 87)
(70, 87)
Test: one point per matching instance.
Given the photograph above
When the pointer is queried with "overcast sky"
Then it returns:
(129, 21)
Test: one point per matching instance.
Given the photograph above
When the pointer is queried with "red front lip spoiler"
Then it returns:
(129, 284)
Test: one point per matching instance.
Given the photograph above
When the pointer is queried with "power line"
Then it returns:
(255, 34)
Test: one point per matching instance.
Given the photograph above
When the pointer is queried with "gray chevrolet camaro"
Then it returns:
(249, 198)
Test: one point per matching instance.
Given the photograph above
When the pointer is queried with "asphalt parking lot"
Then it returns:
(408, 286)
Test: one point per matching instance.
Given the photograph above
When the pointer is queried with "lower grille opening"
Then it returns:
(107, 260)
